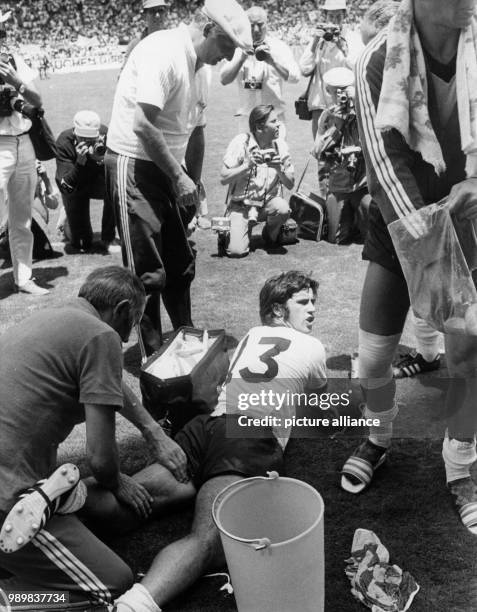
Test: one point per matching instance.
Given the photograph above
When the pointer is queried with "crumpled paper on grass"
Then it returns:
(374, 581)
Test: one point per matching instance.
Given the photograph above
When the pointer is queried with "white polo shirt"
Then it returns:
(160, 71)
(16, 123)
(267, 77)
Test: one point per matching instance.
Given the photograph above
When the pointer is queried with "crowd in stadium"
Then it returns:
(51, 23)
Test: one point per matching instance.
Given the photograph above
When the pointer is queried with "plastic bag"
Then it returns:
(440, 285)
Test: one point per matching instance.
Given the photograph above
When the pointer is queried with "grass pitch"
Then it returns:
(407, 506)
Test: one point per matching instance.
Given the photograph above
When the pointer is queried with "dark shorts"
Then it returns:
(211, 453)
(378, 246)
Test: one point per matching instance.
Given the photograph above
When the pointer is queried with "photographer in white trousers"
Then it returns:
(17, 163)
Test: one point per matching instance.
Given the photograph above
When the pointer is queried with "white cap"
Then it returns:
(338, 77)
(232, 19)
(86, 124)
(334, 5)
(146, 4)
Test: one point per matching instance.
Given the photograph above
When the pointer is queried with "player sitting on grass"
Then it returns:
(280, 355)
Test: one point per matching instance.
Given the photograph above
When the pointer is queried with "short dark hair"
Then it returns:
(258, 116)
(279, 289)
(105, 287)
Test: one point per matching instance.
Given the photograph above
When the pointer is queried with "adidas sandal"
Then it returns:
(361, 468)
(35, 507)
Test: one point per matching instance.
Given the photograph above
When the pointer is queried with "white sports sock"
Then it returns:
(427, 338)
(137, 599)
(458, 458)
(381, 434)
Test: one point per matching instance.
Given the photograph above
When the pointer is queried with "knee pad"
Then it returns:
(376, 354)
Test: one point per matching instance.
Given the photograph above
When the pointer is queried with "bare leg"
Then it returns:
(461, 354)
(106, 513)
(181, 563)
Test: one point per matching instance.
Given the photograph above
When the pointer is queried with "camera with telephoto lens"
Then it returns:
(260, 51)
(344, 100)
(99, 146)
(9, 102)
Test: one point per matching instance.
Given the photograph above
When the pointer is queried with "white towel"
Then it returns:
(403, 102)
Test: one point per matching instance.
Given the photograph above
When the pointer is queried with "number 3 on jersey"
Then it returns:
(279, 345)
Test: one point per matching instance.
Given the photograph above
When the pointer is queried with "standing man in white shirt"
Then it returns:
(260, 76)
(154, 114)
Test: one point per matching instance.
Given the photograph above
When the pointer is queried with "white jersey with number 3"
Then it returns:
(269, 369)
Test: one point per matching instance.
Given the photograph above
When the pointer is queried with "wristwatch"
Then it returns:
(21, 90)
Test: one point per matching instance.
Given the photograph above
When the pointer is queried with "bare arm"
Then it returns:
(10, 75)
(152, 138)
(230, 70)
(229, 175)
(102, 453)
(287, 176)
(164, 449)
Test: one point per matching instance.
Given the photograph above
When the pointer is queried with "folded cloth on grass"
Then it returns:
(374, 582)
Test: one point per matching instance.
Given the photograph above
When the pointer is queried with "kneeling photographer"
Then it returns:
(342, 173)
(18, 99)
(256, 165)
(80, 177)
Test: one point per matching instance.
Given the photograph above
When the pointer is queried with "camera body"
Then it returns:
(268, 155)
(96, 146)
(332, 31)
(350, 157)
(252, 83)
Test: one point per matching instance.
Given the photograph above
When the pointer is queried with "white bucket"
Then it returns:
(272, 534)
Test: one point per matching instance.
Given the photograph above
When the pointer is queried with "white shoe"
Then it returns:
(31, 288)
(36, 506)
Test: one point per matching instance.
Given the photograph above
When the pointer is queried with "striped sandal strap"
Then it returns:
(468, 514)
(359, 468)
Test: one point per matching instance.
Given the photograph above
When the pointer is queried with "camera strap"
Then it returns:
(303, 173)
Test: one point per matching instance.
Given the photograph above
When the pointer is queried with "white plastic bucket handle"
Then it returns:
(258, 543)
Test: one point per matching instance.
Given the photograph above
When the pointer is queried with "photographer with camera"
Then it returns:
(337, 147)
(260, 76)
(256, 165)
(80, 178)
(326, 50)
(18, 178)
